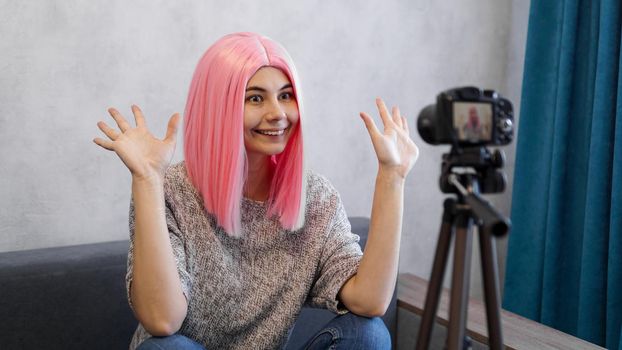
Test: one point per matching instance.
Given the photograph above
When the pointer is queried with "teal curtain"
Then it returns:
(564, 263)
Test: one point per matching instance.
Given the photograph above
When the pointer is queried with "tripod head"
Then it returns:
(479, 164)
(467, 172)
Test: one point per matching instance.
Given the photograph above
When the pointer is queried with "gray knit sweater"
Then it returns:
(245, 293)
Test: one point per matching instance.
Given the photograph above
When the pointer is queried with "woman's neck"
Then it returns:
(260, 172)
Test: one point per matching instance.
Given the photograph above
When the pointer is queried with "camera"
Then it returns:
(467, 116)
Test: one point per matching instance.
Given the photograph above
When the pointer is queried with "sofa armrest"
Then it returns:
(65, 298)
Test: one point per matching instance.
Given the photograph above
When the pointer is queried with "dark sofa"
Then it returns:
(74, 298)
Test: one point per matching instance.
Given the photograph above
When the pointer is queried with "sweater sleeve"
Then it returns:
(179, 252)
(339, 260)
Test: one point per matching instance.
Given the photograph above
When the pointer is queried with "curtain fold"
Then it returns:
(564, 265)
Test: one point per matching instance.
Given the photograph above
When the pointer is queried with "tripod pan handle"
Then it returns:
(487, 215)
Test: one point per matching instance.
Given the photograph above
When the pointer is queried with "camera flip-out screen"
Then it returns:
(473, 121)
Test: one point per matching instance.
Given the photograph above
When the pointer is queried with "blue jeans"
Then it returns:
(351, 331)
(347, 331)
(175, 341)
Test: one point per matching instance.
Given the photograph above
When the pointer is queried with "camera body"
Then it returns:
(467, 116)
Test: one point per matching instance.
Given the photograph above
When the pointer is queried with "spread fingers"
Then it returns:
(103, 143)
(121, 122)
(110, 132)
(397, 118)
(138, 116)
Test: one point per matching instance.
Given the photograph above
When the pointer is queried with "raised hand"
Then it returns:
(394, 148)
(143, 154)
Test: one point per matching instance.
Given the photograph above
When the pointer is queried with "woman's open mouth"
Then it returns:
(274, 132)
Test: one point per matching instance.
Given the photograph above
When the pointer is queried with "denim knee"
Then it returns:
(351, 331)
(371, 333)
(175, 341)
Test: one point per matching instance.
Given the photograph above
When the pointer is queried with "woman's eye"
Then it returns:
(254, 98)
(287, 96)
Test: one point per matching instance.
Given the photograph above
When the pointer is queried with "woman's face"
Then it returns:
(270, 112)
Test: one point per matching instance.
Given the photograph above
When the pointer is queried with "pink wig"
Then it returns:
(213, 137)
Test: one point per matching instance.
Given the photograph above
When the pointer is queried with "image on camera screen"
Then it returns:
(473, 121)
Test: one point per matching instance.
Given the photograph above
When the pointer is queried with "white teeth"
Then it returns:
(271, 133)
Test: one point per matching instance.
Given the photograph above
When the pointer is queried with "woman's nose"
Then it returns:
(275, 111)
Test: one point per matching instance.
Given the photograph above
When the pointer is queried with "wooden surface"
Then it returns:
(518, 332)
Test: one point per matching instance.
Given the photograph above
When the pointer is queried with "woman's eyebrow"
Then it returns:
(286, 86)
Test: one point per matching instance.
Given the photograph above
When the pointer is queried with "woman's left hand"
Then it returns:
(394, 148)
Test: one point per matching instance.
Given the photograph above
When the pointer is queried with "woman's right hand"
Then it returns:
(143, 154)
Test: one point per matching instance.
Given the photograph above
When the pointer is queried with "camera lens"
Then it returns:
(426, 124)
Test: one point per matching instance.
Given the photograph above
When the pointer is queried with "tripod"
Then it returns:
(458, 218)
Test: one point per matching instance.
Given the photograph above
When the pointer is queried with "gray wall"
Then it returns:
(64, 63)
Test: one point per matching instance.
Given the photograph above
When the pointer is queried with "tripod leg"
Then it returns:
(436, 277)
(490, 276)
(434, 288)
(460, 283)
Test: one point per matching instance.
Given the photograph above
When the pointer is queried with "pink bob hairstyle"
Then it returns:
(214, 151)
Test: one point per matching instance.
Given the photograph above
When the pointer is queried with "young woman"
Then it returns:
(228, 245)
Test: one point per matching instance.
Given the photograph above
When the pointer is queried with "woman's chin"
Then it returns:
(266, 151)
